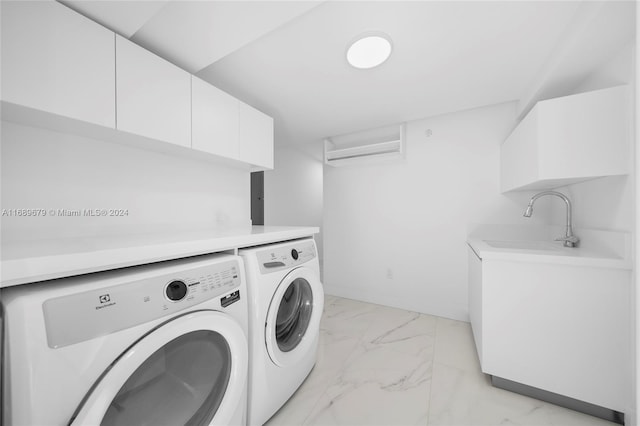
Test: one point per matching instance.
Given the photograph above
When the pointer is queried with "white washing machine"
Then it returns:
(285, 305)
(161, 344)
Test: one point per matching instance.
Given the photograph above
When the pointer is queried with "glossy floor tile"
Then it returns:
(385, 366)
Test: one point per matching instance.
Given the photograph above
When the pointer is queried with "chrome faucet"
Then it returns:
(569, 239)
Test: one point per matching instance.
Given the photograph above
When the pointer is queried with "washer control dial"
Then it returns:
(294, 254)
(176, 290)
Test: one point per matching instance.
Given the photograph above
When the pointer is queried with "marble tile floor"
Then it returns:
(385, 366)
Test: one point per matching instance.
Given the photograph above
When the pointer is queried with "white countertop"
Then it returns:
(599, 249)
(32, 261)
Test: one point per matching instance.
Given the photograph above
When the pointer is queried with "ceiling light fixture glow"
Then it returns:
(369, 51)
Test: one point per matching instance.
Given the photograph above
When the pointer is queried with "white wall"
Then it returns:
(293, 190)
(44, 169)
(395, 234)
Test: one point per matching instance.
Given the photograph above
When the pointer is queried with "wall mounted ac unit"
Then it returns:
(376, 145)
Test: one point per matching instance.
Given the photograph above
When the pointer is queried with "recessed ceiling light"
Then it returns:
(369, 50)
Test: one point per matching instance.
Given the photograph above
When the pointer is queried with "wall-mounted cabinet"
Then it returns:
(255, 137)
(58, 61)
(224, 126)
(568, 140)
(215, 120)
(382, 144)
(153, 96)
(67, 73)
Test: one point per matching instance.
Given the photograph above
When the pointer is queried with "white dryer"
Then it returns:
(161, 344)
(285, 305)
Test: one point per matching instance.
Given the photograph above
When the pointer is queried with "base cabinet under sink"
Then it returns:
(560, 328)
(475, 299)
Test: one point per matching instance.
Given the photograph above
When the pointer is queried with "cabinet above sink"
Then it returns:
(567, 140)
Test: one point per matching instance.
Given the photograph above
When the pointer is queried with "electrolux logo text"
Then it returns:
(105, 301)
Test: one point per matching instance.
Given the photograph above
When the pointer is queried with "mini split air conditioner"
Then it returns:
(376, 145)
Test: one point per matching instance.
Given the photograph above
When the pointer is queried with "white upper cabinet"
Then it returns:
(58, 61)
(215, 120)
(61, 70)
(256, 137)
(224, 126)
(567, 140)
(153, 96)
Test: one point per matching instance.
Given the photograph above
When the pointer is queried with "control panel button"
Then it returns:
(176, 290)
(294, 254)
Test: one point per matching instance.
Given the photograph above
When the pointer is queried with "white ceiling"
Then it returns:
(448, 56)
(287, 58)
(122, 17)
(195, 34)
(191, 33)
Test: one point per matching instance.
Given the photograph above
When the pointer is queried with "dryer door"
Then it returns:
(293, 319)
(190, 370)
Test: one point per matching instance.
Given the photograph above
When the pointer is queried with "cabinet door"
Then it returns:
(215, 120)
(256, 137)
(475, 299)
(56, 60)
(567, 140)
(153, 95)
(585, 135)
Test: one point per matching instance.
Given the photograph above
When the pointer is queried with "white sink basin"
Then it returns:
(524, 245)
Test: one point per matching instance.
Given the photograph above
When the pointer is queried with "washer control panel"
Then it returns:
(285, 257)
(139, 298)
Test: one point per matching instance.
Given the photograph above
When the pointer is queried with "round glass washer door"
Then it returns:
(189, 371)
(293, 319)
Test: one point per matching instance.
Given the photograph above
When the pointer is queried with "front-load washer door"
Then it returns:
(190, 370)
(293, 318)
